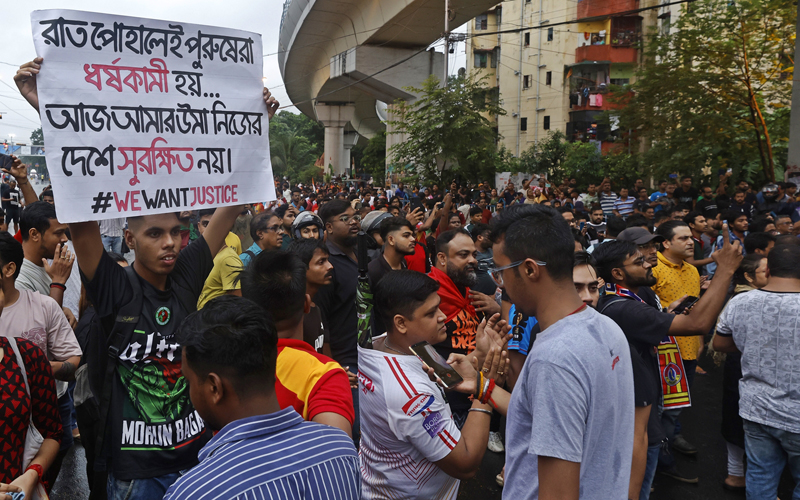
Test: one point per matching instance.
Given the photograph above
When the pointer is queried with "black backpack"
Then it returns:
(101, 341)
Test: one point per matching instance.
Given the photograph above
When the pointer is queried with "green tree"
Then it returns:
(37, 136)
(547, 156)
(709, 94)
(373, 158)
(291, 155)
(448, 126)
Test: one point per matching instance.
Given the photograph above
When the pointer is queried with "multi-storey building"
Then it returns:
(558, 77)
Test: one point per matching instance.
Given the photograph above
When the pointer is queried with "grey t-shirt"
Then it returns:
(573, 401)
(766, 327)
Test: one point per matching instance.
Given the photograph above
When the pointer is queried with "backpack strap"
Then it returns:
(127, 318)
(251, 254)
(610, 301)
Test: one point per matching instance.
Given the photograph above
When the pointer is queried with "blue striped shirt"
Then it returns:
(275, 456)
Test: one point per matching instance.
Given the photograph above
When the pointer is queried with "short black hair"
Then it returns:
(583, 258)
(685, 177)
(636, 220)
(392, 224)
(297, 190)
(475, 211)
(47, 192)
(276, 280)
(304, 248)
(660, 215)
(117, 257)
(750, 263)
(402, 292)
(259, 223)
(759, 224)
(733, 214)
(205, 212)
(667, 229)
(236, 339)
(563, 210)
(11, 251)
(615, 225)
(332, 209)
(37, 216)
(787, 239)
(757, 241)
(784, 261)
(478, 229)
(612, 255)
(536, 232)
(444, 239)
(281, 210)
(692, 216)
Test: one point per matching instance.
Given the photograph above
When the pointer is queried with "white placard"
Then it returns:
(142, 116)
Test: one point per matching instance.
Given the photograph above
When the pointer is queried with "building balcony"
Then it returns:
(597, 8)
(611, 53)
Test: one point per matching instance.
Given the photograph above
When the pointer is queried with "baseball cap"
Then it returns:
(639, 235)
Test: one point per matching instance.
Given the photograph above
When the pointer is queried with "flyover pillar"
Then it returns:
(334, 117)
(350, 140)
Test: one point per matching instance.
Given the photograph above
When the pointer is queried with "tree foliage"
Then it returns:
(37, 137)
(449, 125)
(373, 158)
(714, 92)
(296, 142)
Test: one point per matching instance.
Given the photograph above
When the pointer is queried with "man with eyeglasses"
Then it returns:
(267, 232)
(337, 301)
(571, 411)
(627, 272)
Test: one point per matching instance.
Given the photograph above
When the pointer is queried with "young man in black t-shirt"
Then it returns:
(627, 272)
(314, 254)
(685, 194)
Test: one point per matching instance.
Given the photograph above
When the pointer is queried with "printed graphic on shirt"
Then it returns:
(433, 423)
(153, 378)
(463, 334)
(418, 404)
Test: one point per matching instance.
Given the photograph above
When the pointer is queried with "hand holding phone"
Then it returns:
(686, 305)
(446, 373)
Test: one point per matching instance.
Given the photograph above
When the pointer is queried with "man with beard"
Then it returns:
(627, 272)
(287, 213)
(455, 270)
(397, 234)
(337, 301)
(314, 254)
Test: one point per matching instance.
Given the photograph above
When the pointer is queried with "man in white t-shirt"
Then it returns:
(410, 446)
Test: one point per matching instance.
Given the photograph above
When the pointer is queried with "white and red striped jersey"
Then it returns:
(405, 426)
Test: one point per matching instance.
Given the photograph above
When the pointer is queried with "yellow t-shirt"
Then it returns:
(234, 242)
(673, 283)
(223, 277)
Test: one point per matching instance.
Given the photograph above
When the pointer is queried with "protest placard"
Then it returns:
(142, 116)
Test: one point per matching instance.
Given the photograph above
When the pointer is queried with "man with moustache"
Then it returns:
(627, 273)
(314, 254)
(455, 270)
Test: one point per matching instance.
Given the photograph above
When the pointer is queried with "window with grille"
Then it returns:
(482, 22)
(480, 59)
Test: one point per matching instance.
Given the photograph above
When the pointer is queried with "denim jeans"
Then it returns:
(649, 471)
(768, 450)
(140, 489)
(112, 243)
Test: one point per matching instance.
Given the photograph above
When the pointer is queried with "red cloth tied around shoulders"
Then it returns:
(452, 300)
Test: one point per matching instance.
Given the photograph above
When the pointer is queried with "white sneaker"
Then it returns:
(495, 444)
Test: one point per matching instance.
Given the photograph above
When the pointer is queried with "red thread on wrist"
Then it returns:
(485, 398)
(58, 285)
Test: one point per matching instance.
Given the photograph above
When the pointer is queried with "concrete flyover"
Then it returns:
(329, 50)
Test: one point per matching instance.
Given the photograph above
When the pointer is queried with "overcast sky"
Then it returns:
(261, 16)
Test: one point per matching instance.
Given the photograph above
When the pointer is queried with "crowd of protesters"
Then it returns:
(224, 361)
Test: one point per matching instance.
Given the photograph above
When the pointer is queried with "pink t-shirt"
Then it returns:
(39, 319)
